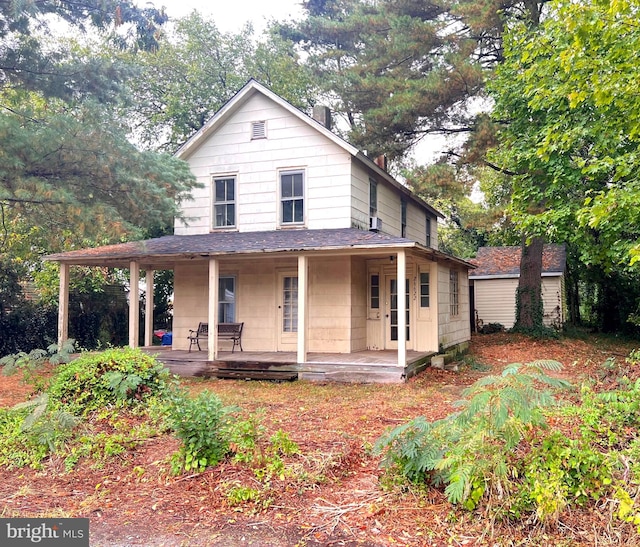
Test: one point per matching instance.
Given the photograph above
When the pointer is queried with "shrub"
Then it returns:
(471, 451)
(113, 377)
(200, 423)
(560, 471)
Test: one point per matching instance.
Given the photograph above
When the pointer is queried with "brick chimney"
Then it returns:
(381, 161)
(322, 114)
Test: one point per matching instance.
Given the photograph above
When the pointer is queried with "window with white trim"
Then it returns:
(292, 197)
(226, 299)
(224, 202)
(403, 217)
(374, 291)
(454, 292)
(424, 289)
(373, 198)
(290, 304)
(428, 232)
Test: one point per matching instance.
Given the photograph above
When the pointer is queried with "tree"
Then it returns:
(197, 68)
(567, 94)
(399, 70)
(65, 158)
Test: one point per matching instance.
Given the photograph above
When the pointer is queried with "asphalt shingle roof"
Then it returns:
(505, 261)
(225, 243)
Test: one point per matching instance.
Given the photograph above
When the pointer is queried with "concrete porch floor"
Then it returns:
(364, 366)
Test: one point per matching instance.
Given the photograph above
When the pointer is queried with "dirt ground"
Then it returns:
(134, 500)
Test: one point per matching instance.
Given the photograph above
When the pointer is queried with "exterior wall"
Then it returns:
(423, 321)
(426, 319)
(358, 304)
(453, 329)
(290, 144)
(256, 300)
(553, 301)
(417, 225)
(495, 300)
(332, 326)
(330, 305)
(389, 208)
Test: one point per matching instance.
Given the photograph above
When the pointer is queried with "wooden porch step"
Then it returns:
(247, 374)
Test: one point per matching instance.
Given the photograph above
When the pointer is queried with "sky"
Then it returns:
(231, 15)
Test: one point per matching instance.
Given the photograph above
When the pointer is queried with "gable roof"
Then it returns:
(504, 262)
(174, 248)
(251, 88)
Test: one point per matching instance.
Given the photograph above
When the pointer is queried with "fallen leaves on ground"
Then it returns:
(334, 496)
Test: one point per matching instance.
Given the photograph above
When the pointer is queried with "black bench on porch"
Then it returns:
(226, 331)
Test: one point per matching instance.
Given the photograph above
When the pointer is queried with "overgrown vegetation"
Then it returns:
(114, 387)
(512, 451)
(105, 404)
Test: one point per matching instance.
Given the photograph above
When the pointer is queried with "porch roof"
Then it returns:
(168, 249)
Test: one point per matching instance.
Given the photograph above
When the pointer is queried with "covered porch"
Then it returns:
(368, 366)
(323, 304)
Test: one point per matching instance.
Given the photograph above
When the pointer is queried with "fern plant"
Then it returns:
(29, 363)
(470, 451)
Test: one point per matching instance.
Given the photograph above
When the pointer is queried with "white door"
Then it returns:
(287, 311)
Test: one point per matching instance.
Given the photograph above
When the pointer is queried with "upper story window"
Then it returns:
(292, 197)
(373, 198)
(454, 292)
(259, 130)
(403, 217)
(428, 232)
(224, 202)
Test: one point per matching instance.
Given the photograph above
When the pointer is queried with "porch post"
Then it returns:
(402, 308)
(63, 305)
(303, 282)
(212, 339)
(134, 303)
(148, 309)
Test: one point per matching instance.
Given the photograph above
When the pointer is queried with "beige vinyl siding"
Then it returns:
(334, 284)
(359, 296)
(426, 319)
(190, 295)
(290, 144)
(552, 300)
(359, 196)
(495, 300)
(416, 229)
(453, 329)
(330, 305)
(388, 201)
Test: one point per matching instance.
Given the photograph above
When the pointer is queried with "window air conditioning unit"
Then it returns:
(375, 224)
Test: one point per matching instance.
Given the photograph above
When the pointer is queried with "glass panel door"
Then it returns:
(393, 308)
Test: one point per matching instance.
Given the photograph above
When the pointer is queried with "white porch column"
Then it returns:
(63, 305)
(212, 340)
(134, 303)
(148, 309)
(402, 308)
(303, 283)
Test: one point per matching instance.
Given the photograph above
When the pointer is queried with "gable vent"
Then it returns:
(259, 130)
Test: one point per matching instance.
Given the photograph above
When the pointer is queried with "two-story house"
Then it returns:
(301, 237)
